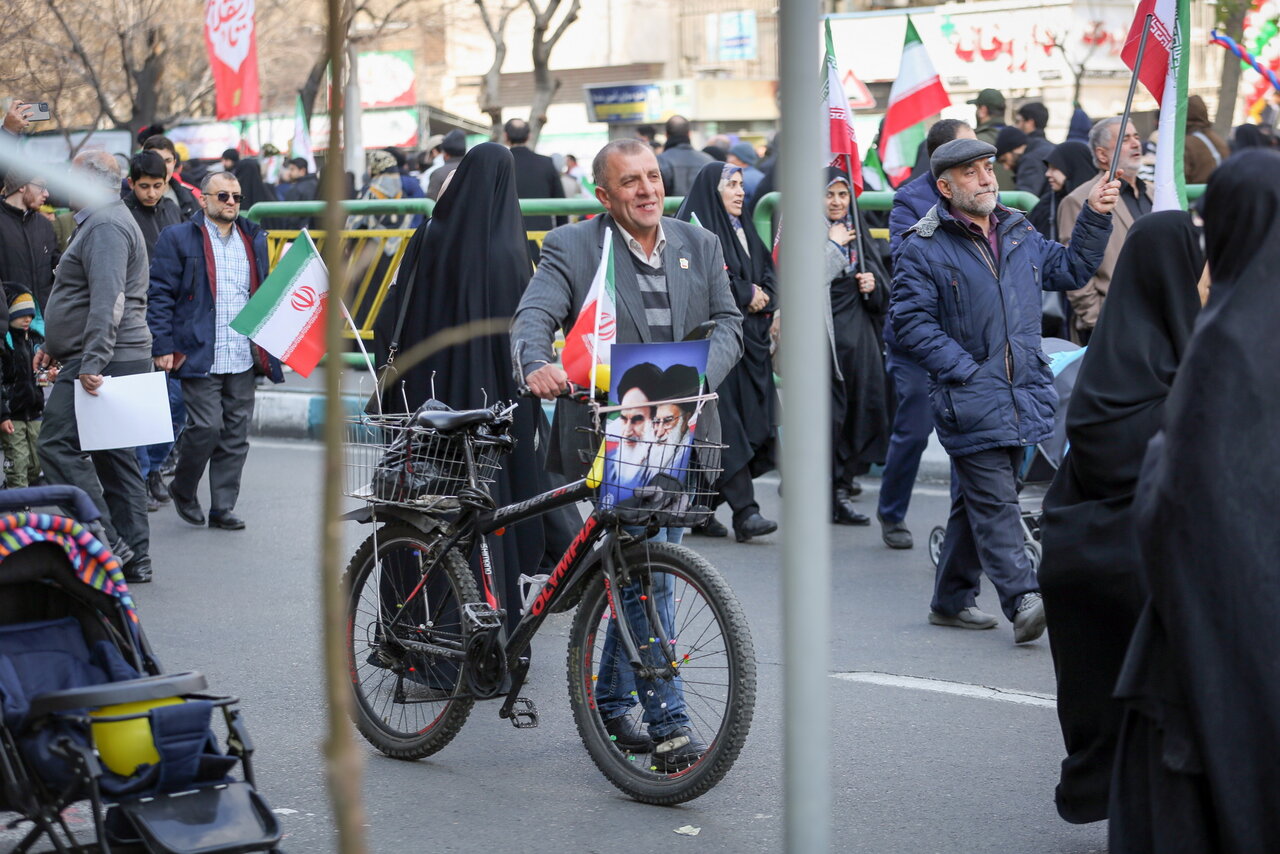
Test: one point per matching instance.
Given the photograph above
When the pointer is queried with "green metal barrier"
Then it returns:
(529, 207)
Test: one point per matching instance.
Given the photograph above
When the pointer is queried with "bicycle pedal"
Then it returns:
(481, 616)
(523, 714)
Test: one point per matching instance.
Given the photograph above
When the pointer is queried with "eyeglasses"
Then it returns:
(39, 188)
(225, 197)
(668, 421)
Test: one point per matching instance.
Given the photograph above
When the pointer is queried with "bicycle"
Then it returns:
(425, 641)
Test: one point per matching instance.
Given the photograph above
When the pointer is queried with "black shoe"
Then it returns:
(156, 488)
(853, 488)
(627, 734)
(843, 513)
(713, 527)
(754, 525)
(895, 534)
(188, 509)
(138, 570)
(677, 751)
(226, 520)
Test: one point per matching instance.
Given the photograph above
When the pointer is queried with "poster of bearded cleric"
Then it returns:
(656, 396)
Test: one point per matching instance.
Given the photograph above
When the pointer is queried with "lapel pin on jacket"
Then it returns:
(684, 263)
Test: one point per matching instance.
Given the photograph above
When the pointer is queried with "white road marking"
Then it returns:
(958, 689)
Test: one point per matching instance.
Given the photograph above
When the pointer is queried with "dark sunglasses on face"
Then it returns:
(225, 197)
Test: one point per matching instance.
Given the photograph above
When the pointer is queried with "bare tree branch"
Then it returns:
(78, 49)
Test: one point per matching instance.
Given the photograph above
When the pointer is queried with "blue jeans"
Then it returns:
(617, 689)
(911, 428)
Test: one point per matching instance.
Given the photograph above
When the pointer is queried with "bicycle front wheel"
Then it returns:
(407, 702)
(669, 729)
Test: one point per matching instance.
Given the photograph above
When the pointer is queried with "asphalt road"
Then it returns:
(913, 769)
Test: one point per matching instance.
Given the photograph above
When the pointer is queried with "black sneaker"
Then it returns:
(627, 734)
(895, 534)
(713, 527)
(676, 751)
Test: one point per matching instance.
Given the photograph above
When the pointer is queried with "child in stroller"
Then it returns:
(86, 714)
(1041, 461)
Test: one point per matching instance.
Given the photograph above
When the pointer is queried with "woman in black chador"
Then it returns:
(469, 263)
(1090, 577)
(748, 397)
(1198, 762)
(859, 409)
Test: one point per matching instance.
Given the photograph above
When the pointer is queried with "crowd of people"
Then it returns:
(941, 328)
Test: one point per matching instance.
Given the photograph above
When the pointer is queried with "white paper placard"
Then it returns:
(127, 412)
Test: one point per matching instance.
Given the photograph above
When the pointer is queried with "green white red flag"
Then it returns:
(301, 144)
(916, 95)
(843, 142)
(587, 344)
(1164, 74)
(285, 316)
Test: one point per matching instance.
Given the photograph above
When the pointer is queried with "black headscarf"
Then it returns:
(1248, 136)
(1072, 159)
(467, 263)
(249, 173)
(1206, 657)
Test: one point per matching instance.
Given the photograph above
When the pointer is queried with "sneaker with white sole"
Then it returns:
(969, 618)
(1028, 620)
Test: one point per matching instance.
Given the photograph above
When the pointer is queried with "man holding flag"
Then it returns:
(202, 275)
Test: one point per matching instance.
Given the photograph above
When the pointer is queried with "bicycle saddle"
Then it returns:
(446, 421)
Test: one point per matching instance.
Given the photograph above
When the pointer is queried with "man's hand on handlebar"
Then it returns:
(548, 382)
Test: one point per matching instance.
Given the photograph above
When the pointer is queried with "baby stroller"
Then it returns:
(87, 715)
(1041, 461)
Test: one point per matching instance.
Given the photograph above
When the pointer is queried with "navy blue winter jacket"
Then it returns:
(910, 204)
(976, 329)
(180, 301)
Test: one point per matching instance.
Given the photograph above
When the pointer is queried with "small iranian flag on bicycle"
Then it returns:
(586, 345)
(285, 316)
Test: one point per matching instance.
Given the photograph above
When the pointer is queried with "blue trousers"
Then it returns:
(984, 534)
(617, 689)
(911, 428)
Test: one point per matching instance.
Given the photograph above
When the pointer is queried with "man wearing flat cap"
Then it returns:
(966, 306)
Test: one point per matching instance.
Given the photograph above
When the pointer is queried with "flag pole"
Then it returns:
(857, 217)
(1128, 101)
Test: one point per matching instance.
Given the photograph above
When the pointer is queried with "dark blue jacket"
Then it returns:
(976, 328)
(911, 202)
(180, 301)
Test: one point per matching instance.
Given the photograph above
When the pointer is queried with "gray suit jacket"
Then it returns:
(698, 293)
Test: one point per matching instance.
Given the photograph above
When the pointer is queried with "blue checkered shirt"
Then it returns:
(231, 354)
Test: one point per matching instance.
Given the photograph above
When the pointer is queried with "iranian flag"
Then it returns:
(916, 95)
(1164, 74)
(285, 316)
(587, 344)
(843, 144)
(301, 144)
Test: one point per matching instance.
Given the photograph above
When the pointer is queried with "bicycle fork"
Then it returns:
(616, 581)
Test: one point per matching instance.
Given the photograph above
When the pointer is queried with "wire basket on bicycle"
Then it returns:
(649, 466)
(402, 459)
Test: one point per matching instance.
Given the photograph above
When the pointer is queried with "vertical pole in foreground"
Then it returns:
(806, 446)
(343, 761)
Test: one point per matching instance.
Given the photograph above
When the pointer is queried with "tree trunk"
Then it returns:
(311, 88)
(544, 85)
(491, 89)
(146, 84)
(1229, 87)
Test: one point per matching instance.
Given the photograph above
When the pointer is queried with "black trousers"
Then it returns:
(984, 534)
(219, 409)
(740, 494)
(112, 477)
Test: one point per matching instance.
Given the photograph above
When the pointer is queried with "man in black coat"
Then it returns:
(28, 246)
(536, 176)
(152, 210)
(177, 191)
(680, 161)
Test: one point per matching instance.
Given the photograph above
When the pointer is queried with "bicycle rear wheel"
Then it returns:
(702, 686)
(406, 699)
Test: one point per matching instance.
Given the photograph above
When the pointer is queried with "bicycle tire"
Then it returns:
(429, 714)
(705, 608)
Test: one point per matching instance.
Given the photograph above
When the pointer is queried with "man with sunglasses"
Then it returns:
(202, 274)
